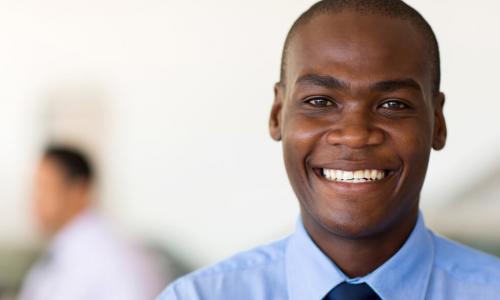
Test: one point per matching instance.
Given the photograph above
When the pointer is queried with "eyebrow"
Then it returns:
(325, 81)
(331, 82)
(394, 85)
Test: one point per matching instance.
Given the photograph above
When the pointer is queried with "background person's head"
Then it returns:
(62, 187)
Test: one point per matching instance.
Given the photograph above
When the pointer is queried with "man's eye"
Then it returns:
(394, 104)
(319, 102)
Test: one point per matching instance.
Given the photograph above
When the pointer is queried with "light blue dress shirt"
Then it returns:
(426, 267)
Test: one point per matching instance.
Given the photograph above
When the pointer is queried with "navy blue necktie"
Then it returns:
(347, 291)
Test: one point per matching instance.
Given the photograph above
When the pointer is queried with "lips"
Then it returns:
(347, 172)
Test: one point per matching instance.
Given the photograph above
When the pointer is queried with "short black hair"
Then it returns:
(389, 8)
(73, 162)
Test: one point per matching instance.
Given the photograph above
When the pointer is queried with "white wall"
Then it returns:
(184, 89)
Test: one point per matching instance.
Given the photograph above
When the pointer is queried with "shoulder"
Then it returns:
(260, 269)
(121, 262)
(466, 264)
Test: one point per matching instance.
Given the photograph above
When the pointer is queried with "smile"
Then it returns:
(357, 176)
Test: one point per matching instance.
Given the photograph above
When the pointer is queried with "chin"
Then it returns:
(360, 222)
(353, 229)
(349, 221)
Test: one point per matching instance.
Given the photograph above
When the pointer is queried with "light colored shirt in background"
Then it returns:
(87, 261)
(426, 267)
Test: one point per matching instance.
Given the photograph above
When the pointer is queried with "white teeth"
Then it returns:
(348, 175)
(358, 176)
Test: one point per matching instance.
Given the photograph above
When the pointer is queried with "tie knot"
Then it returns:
(348, 291)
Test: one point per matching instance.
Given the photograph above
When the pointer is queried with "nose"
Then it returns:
(355, 130)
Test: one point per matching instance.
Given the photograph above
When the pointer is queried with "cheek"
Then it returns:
(300, 137)
(416, 145)
(413, 145)
(298, 127)
(412, 138)
(47, 209)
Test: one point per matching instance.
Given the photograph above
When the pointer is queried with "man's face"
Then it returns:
(52, 195)
(357, 118)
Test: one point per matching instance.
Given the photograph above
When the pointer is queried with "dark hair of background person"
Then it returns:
(73, 162)
(391, 8)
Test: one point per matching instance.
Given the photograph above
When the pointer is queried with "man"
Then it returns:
(85, 259)
(358, 109)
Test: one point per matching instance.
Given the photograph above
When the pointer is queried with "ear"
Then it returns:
(275, 117)
(440, 132)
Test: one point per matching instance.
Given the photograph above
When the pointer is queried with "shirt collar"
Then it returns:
(311, 274)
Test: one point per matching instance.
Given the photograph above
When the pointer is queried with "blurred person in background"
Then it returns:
(85, 258)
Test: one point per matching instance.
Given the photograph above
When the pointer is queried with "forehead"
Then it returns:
(358, 48)
(48, 171)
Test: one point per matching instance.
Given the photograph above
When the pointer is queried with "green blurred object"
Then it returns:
(14, 264)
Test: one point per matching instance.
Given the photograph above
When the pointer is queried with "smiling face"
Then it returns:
(357, 118)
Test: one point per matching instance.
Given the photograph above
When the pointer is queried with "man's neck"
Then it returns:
(357, 257)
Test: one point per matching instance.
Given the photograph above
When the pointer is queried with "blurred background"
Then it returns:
(171, 99)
